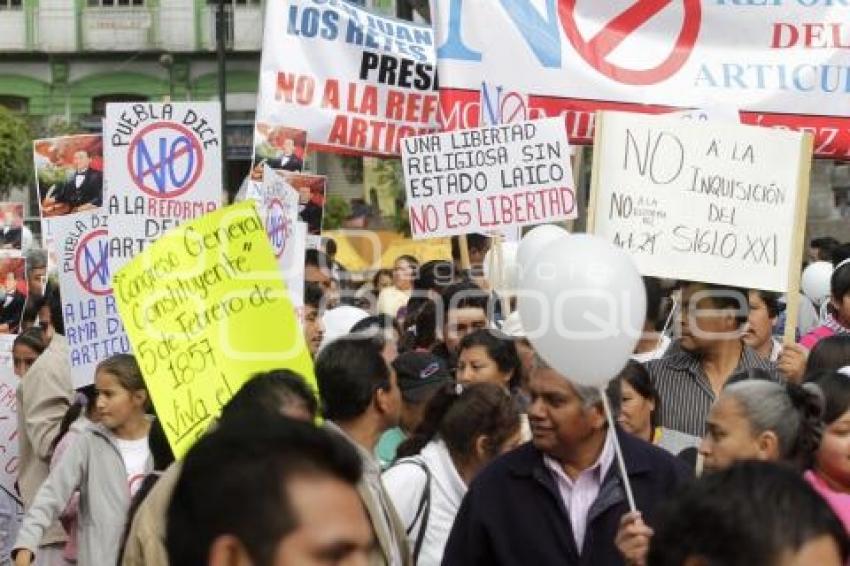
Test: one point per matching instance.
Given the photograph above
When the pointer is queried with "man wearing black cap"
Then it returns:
(419, 375)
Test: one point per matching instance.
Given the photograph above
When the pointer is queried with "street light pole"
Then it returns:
(222, 89)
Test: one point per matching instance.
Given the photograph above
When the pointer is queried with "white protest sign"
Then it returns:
(163, 167)
(353, 79)
(8, 416)
(92, 325)
(711, 202)
(488, 179)
(279, 208)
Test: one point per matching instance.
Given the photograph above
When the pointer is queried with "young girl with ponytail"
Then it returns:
(463, 429)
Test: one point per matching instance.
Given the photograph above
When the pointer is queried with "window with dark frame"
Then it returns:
(98, 103)
(17, 104)
(114, 3)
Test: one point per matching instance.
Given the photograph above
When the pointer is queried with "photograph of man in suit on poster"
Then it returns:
(11, 228)
(281, 148)
(11, 304)
(82, 190)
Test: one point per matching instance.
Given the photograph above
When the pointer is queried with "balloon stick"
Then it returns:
(620, 461)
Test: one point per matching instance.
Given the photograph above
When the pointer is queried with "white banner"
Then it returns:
(784, 63)
(354, 80)
(488, 179)
(92, 325)
(718, 203)
(163, 167)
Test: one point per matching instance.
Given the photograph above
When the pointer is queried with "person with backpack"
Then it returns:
(463, 429)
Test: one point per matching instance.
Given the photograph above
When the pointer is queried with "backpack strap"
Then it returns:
(423, 511)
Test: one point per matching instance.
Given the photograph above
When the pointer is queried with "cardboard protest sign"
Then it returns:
(712, 202)
(92, 325)
(790, 66)
(488, 179)
(163, 167)
(205, 308)
(8, 417)
(354, 80)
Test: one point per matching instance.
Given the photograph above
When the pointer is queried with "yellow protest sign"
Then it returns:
(205, 308)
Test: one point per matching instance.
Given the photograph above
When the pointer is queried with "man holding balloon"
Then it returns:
(559, 499)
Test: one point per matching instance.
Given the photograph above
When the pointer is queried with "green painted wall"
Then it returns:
(36, 91)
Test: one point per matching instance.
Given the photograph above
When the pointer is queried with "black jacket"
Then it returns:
(513, 514)
(11, 314)
(90, 190)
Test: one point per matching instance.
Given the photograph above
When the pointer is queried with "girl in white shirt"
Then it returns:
(463, 429)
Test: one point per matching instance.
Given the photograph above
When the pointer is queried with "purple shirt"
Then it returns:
(579, 494)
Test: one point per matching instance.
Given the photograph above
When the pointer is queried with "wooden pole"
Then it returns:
(465, 265)
(792, 309)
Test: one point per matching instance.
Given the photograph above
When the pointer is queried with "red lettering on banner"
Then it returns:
(369, 102)
(413, 110)
(285, 87)
(370, 135)
(412, 107)
(330, 96)
(814, 36)
(303, 87)
(357, 135)
(395, 104)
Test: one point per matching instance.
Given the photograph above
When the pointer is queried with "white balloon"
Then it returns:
(537, 239)
(583, 306)
(815, 281)
(509, 277)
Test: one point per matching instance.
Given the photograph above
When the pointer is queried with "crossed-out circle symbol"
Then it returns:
(596, 50)
(165, 160)
(91, 263)
(277, 227)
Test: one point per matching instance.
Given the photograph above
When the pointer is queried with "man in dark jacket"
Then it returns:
(558, 500)
(82, 191)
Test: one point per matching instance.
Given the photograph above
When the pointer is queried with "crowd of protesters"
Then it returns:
(438, 436)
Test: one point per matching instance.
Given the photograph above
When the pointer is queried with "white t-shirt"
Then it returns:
(135, 454)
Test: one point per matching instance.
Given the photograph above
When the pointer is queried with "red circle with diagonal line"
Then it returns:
(153, 169)
(90, 268)
(596, 49)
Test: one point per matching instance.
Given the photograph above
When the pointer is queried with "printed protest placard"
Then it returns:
(790, 66)
(278, 207)
(713, 202)
(163, 167)
(205, 308)
(354, 80)
(69, 178)
(92, 324)
(488, 179)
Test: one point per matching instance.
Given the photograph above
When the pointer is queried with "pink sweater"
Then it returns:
(816, 335)
(838, 501)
